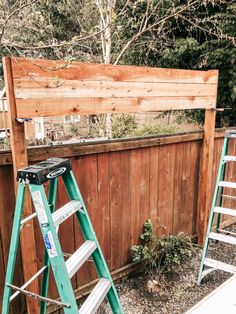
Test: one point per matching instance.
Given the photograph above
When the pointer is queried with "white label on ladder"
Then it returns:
(50, 245)
(38, 203)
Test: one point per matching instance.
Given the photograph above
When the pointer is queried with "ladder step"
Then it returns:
(222, 238)
(66, 211)
(220, 265)
(80, 256)
(225, 211)
(230, 158)
(227, 184)
(96, 297)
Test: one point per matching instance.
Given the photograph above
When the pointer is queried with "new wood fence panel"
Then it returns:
(52, 88)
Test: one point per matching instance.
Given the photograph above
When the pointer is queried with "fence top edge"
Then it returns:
(70, 150)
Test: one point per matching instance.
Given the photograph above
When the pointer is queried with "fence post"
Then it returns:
(205, 179)
(20, 159)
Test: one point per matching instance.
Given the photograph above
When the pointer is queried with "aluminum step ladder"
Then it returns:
(207, 264)
(49, 220)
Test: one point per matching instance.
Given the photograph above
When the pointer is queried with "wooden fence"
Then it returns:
(123, 184)
(72, 88)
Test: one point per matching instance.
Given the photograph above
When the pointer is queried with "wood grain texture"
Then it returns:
(20, 160)
(125, 207)
(66, 70)
(7, 204)
(115, 209)
(84, 89)
(104, 234)
(80, 149)
(121, 190)
(72, 88)
(205, 182)
(154, 181)
(47, 107)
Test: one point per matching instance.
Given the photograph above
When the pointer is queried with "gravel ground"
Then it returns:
(180, 292)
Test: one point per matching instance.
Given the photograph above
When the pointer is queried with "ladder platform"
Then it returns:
(66, 211)
(227, 184)
(230, 134)
(225, 211)
(230, 158)
(43, 171)
(220, 265)
(96, 297)
(222, 238)
(80, 257)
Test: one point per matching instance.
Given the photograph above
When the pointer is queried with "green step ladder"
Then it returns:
(207, 264)
(49, 220)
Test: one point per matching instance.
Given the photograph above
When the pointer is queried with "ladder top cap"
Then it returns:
(43, 171)
(230, 133)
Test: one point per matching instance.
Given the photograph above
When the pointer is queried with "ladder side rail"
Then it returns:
(219, 176)
(221, 190)
(52, 194)
(13, 247)
(53, 247)
(89, 234)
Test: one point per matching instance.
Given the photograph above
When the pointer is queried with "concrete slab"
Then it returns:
(221, 300)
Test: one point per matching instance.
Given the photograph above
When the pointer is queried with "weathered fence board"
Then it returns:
(122, 187)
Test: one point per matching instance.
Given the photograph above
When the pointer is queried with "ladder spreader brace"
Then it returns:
(49, 220)
(207, 264)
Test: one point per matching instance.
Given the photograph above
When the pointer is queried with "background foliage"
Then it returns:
(190, 34)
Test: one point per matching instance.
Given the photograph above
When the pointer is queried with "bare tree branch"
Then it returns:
(220, 36)
(141, 32)
(12, 14)
(62, 44)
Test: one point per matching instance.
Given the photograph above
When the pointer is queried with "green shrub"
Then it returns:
(148, 130)
(160, 254)
(123, 125)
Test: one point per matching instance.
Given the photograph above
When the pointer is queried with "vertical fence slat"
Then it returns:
(125, 207)
(153, 194)
(135, 172)
(115, 209)
(104, 235)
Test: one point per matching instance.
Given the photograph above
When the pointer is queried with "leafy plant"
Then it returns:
(123, 125)
(97, 125)
(74, 129)
(5, 144)
(148, 130)
(159, 254)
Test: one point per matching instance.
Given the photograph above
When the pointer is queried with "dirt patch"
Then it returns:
(181, 291)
